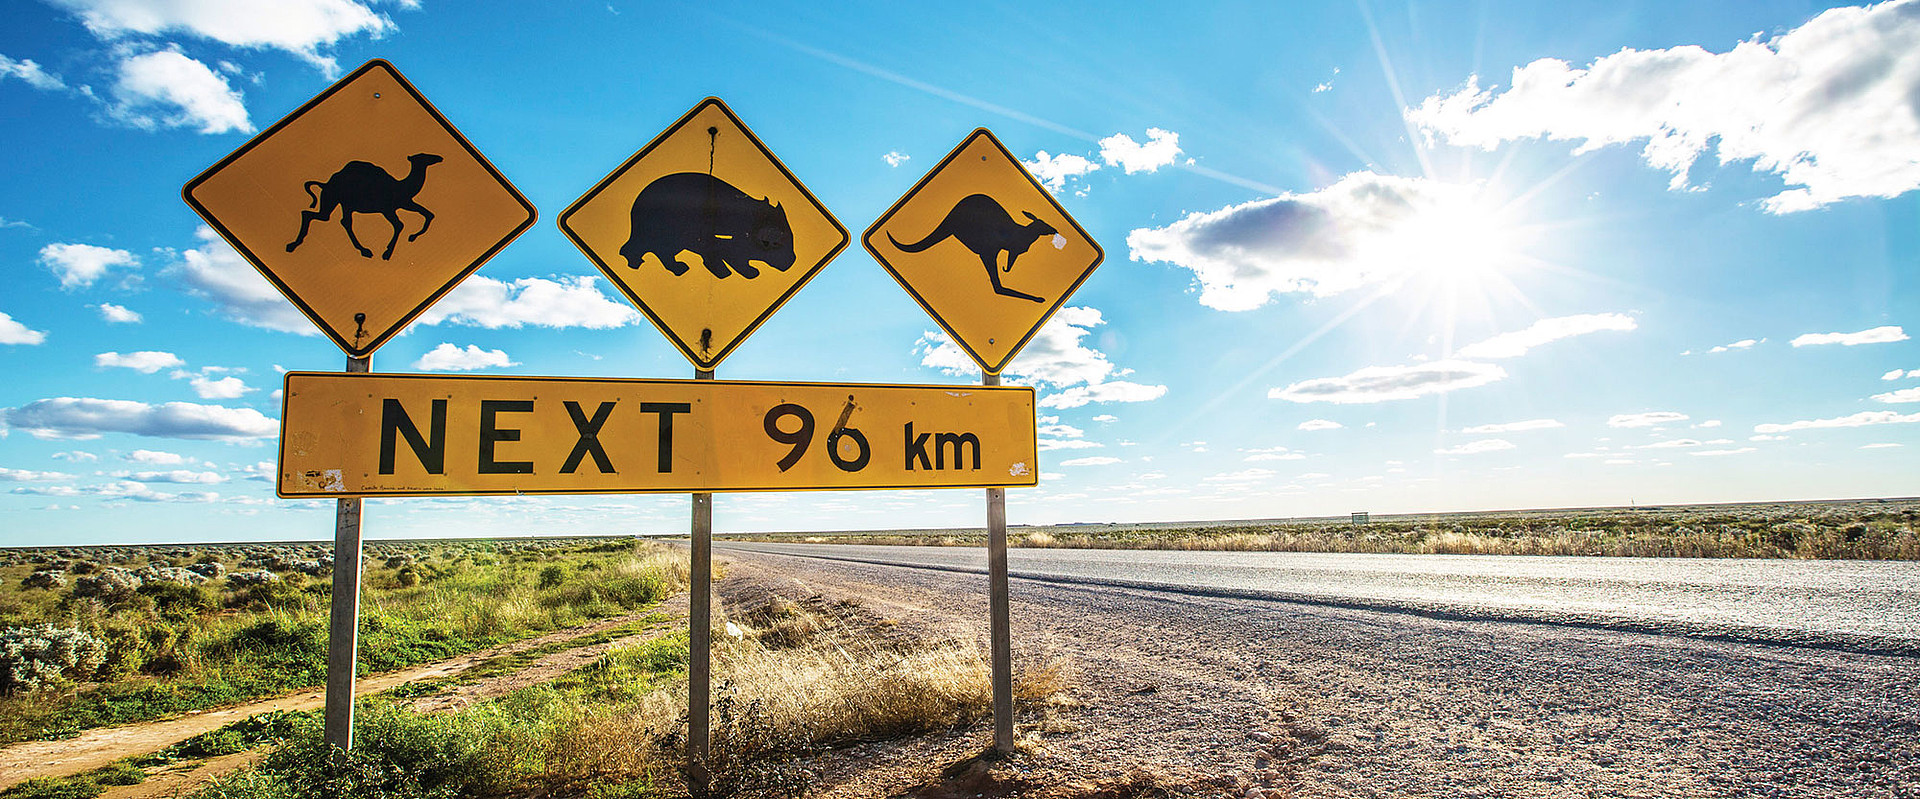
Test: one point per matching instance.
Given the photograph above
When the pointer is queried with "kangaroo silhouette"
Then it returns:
(363, 188)
(981, 225)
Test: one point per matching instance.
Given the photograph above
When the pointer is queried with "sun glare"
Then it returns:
(1458, 238)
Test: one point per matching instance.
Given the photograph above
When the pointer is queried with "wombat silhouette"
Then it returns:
(364, 188)
(981, 225)
(704, 215)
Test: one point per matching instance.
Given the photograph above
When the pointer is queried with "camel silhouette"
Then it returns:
(363, 188)
(981, 225)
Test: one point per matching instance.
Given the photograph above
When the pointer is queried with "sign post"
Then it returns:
(369, 146)
(705, 193)
(980, 209)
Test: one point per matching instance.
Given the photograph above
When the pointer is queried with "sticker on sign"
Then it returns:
(345, 435)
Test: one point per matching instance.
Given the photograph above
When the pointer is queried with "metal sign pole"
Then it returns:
(998, 611)
(699, 630)
(343, 630)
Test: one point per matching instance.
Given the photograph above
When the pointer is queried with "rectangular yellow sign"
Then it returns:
(347, 435)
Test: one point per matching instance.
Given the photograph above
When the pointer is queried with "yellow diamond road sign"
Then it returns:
(363, 207)
(705, 231)
(985, 250)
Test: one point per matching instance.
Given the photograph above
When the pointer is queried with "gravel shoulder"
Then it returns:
(1224, 696)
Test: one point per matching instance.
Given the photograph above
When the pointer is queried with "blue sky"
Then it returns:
(1385, 256)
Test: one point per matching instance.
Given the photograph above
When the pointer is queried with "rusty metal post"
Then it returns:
(343, 626)
(998, 611)
(699, 631)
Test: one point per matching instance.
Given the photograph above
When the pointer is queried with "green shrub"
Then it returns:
(552, 577)
(44, 788)
(32, 657)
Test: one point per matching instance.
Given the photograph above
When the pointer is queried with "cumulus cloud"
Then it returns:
(155, 457)
(222, 388)
(30, 73)
(1902, 395)
(896, 158)
(166, 89)
(217, 273)
(1366, 228)
(144, 361)
(1829, 107)
(1161, 149)
(1861, 419)
(1096, 460)
(1884, 334)
(86, 418)
(1714, 453)
(1056, 170)
(1745, 343)
(1514, 427)
(12, 332)
(1897, 374)
(1648, 419)
(1272, 454)
(173, 476)
(300, 27)
(567, 301)
(25, 476)
(1477, 447)
(1074, 373)
(1243, 476)
(1382, 383)
(1318, 424)
(79, 265)
(449, 358)
(117, 314)
(1517, 343)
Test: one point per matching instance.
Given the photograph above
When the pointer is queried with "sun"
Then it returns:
(1452, 235)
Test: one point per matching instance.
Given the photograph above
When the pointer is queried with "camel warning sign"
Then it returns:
(363, 207)
(705, 231)
(985, 250)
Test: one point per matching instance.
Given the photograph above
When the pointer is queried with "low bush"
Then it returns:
(35, 657)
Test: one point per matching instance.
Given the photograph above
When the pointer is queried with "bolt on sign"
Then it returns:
(363, 207)
(984, 249)
(425, 435)
(705, 231)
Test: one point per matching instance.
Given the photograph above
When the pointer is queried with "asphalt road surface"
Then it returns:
(1274, 675)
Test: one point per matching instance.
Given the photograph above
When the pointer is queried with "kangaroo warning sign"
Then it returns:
(985, 250)
(705, 231)
(346, 435)
(364, 206)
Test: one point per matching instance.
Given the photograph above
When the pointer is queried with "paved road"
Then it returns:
(1854, 605)
(1390, 677)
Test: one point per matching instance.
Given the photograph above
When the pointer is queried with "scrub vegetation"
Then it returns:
(1854, 529)
(101, 636)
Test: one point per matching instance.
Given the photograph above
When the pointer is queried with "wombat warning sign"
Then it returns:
(705, 231)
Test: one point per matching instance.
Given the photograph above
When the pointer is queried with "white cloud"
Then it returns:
(449, 358)
(12, 332)
(24, 476)
(1514, 427)
(166, 89)
(1516, 343)
(1884, 334)
(1861, 419)
(218, 273)
(1051, 444)
(1829, 106)
(1272, 454)
(566, 301)
(155, 457)
(77, 456)
(1106, 418)
(1318, 424)
(896, 158)
(79, 265)
(1882, 445)
(1897, 374)
(1477, 447)
(1672, 443)
(30, 73)
(1161, 149)
(1382, 383)
(223, 388)
(1708, 423)
(1364, 229)
(1242, 476)
(1056, 170)
(300, 27)
(173, 476)
(86, 418)
(1648, 419)
(1711, 453)
(144, 361)
(1076, 374)
(117, 314)
(1742, 344)
(1096, 460)
(1903, 395)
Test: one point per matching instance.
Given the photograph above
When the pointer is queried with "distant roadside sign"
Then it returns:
(705, 231)
(984, 249)
(363, 207)
(418, 435)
